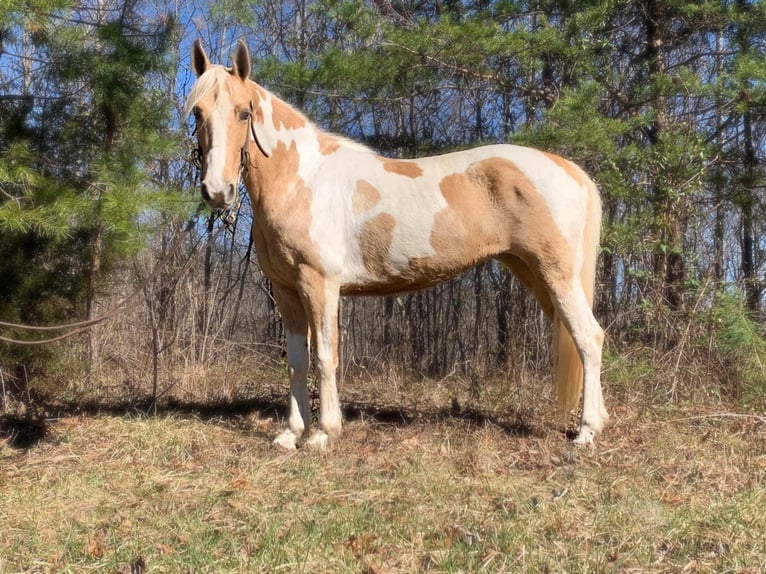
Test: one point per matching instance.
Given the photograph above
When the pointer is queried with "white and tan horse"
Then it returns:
(332, 218)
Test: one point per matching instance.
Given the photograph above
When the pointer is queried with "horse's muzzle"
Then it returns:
(220, 198)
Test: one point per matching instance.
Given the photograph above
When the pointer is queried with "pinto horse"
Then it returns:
(332, 218)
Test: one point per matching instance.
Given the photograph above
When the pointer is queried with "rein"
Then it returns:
(82, 326)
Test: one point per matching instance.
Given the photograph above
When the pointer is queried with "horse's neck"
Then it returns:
(285, 148)
(276, 122)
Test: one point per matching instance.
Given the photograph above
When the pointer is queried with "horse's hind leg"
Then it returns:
(588, 336)
(296, 331)
(574, 309)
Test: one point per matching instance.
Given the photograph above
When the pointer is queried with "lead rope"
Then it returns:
(82, 326)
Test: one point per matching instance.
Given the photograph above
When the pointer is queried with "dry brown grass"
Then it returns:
(461, 480)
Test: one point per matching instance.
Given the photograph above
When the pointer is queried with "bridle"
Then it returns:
(229, 215)
(244, 153)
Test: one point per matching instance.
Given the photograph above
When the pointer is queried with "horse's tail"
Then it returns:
(568, 370)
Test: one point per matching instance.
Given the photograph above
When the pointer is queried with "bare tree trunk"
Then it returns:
(93, 276)
(478, 288)
(752, 285)
(206, 311)
(503, 284)
(388, 318)
(718, 194)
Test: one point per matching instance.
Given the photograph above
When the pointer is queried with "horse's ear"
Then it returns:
(241, 61)
(199, 60)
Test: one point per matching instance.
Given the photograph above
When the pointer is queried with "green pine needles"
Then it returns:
(740, 340)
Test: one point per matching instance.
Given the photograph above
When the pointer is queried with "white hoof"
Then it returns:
(319, 440)
(287, 440)
(585, 436)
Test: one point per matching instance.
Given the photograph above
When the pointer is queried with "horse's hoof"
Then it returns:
(286, 440)
(585, 437)
(319, 440)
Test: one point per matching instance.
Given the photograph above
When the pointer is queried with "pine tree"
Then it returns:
(77, 181)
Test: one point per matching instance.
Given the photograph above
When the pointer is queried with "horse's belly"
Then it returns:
(418, 273)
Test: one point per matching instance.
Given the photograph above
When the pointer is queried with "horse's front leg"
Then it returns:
(296, 334)
(321, 299)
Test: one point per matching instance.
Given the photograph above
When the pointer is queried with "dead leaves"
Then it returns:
(361, 545)
(367, 550)
(94, 548)
(456, 534)
(136, 566)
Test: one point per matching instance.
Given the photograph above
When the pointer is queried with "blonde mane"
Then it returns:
(208, 84)
(213, 81)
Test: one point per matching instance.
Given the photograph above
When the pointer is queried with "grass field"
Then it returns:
(459, 485)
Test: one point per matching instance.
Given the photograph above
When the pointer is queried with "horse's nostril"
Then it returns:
(205, 194)
(232, 189)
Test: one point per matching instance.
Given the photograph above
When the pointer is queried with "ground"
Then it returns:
(440, 488)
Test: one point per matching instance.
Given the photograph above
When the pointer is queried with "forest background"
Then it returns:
(662, 102)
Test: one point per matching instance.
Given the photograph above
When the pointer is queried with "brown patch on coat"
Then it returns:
(402, 167)
(366, 196)
(570, 168)
(282, 216)
(493, 211)
(471, 227)
(310, 283)
(284, 117)
(375, 243)
(291, 309)
(328, 144)
(535, 238)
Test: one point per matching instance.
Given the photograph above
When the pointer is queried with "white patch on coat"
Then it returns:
(216, 155)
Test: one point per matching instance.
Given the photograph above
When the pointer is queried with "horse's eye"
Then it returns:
(197, 113)
(244, 115)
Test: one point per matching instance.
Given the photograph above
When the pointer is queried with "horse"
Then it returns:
(331, 217)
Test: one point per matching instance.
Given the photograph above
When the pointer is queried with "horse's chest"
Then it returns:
(282, 247)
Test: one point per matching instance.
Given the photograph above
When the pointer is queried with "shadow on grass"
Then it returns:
(24, 430)
(513, 424)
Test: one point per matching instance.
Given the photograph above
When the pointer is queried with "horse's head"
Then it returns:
(223, 110)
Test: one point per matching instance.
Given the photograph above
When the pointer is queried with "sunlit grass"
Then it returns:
(664, 490)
